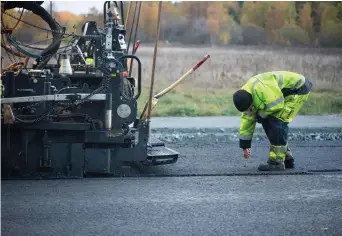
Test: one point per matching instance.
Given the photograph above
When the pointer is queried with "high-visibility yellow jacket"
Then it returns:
(269, 91)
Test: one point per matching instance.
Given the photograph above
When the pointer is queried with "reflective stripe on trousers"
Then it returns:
(277, 149)
(277, 152)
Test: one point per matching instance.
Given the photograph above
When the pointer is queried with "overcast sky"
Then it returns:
(76, 7)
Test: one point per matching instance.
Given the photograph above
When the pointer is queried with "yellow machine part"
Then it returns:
(89, 61)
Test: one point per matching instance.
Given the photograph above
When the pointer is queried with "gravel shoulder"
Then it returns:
(303, 128)
(217, 122)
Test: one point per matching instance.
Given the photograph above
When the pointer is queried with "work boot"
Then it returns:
(289, 160)
(272, 165)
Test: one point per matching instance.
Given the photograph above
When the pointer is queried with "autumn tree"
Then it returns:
(247, 22)
(331, 15)
(305, 20)
(255, 13)
(276, 15)
(235, 10)
(298, 5)
(193, 10)
(331, 26)
(291, 14)
(217, 17)
(148, 19)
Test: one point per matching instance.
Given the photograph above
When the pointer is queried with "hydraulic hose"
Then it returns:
(36, 8)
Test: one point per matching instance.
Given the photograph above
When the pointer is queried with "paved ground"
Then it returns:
(207, 192)
(277, 205)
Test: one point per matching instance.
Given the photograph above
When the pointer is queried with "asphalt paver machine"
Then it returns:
(77, 116)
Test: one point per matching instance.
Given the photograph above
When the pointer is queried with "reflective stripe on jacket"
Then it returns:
(269, 91)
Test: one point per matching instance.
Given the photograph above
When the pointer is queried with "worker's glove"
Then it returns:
(246, 153)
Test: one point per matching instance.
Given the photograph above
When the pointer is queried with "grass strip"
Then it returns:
(199, 102)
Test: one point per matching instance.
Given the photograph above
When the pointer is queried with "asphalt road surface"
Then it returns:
(208, 191)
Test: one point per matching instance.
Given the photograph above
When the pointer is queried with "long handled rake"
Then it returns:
(156, 97)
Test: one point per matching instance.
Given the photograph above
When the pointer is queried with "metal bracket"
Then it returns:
(45, 160)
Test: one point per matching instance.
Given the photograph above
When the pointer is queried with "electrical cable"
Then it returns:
(40, 11)
(55, 28)
(35, 26)
(21, 15)
(8, 50)
(14, 43)
(39, 48)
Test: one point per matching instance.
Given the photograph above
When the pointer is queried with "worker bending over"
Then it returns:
(272, 99)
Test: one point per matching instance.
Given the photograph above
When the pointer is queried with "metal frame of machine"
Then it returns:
(77, 116)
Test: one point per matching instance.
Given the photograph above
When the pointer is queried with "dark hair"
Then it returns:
(242, 100)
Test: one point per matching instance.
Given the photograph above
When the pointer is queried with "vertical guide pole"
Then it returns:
(154, 63)
(126, 23)
(127, 15)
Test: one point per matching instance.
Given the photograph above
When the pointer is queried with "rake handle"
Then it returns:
(189, 72)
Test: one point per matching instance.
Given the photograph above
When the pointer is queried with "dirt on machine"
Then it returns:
(79, 115)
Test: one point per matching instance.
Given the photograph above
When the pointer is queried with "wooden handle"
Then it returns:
(168, 89)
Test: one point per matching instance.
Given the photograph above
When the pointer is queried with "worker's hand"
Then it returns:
(246, 153)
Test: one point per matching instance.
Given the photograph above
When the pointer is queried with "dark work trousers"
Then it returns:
(276, 130)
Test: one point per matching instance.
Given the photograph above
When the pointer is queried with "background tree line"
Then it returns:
(317, 24)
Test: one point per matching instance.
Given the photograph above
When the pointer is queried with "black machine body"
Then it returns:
(79, 115)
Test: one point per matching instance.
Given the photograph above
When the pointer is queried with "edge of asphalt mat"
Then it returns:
(138, 174)
(232, 174)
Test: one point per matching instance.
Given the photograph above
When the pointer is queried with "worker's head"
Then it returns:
(242, 100)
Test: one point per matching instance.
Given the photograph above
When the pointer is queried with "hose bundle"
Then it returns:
(36, 8)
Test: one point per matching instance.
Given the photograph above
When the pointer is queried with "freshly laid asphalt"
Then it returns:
(208, 191)
(258, 205)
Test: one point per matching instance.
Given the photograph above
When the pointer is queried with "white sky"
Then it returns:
(77, 7)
